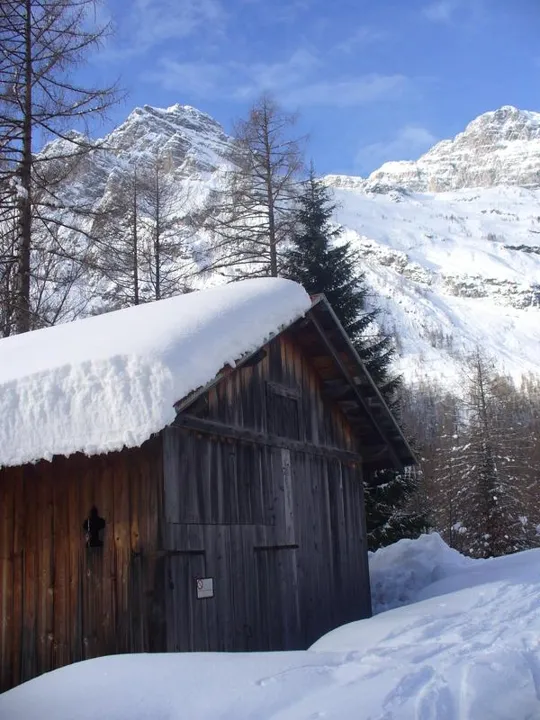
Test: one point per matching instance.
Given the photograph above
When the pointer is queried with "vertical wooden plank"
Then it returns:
(224, 561)
(192, 510)
(172, 473)
(7, 630)
(154, 495)
(356, 481)
(151, 483)
(105, 497)
(61, 620)
(30, 595)
(207, 540)
(18, 571)
(247, 585)
(76, 517)
(135, 469)
(45, 580)
(92, 567)
(288, 503)
(122, 551)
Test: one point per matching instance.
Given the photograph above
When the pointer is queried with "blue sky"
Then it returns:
(372, 80)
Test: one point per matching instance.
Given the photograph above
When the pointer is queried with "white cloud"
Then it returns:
(148, 23)
(281, 12)
(276, 77)
(295, 81)
(202, 79)
(441, 11)
(409, 143)
(349, 92)
(361, 37)
(232, 79)
(447, 11)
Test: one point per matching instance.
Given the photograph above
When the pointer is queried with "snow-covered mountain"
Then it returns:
(498, 148)
(93, 184)
(452, 272)
(191, 145)
(191, 140)
(450, 244)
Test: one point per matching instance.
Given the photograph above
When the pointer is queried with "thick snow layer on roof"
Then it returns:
(468, 650)
(110, 381)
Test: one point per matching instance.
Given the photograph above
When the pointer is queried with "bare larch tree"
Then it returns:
(119, 219)
(42, 42)
(164, 252)
(250, 219)
(142, 211)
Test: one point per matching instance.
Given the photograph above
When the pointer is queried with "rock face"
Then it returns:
(498, 148)
(189, 139)
(190, 145)
(450, 245)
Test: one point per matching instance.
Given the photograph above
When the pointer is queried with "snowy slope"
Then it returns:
(452, 271)
(112, 380)
(469, 649)
(450, 245)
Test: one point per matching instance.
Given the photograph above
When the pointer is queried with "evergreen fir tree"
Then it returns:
(322, 264)
(392, 508)
(497, 473)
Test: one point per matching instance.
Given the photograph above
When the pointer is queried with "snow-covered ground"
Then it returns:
(451, 271)
(467, 649)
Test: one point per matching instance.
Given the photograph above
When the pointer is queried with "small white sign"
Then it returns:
(205, 588)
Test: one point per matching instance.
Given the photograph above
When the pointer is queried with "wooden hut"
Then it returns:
(239, 526)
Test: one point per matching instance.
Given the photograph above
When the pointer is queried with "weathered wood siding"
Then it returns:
(265, 496)
(59, 601)
(246, 398)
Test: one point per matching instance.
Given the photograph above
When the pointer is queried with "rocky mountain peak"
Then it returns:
(180, 132)
(508, 124)
(501, 147)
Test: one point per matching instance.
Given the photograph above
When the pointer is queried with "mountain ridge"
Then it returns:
(500, 147)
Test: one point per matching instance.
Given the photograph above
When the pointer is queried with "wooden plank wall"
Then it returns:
(59, 601)
(280, 530)
(332, 555)
(241, 398)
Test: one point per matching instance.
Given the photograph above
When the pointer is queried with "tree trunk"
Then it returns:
(135, 245)
(270, 197)
(157, 246)
(25, 191)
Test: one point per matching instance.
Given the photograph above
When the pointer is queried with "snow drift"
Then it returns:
(400, 572)
(469, 649)
(110, 381)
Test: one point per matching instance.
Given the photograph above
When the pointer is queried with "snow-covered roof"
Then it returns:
(99, 384)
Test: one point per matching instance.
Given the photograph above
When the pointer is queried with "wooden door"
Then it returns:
(278, 625)
(186, 613)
